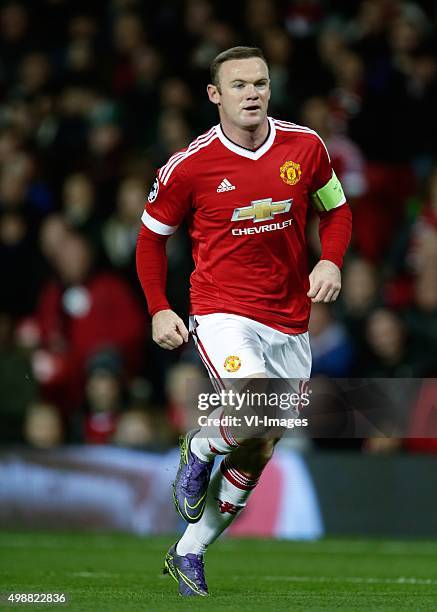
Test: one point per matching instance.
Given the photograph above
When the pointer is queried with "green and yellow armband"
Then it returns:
(329, 196)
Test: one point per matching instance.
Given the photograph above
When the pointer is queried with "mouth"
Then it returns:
(252, 108)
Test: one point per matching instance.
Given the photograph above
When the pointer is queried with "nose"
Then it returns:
(252, 92)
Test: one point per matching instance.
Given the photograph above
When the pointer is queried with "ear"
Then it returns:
(213, 94)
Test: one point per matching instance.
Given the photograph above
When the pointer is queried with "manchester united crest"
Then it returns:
(290, 172)
(232, 363)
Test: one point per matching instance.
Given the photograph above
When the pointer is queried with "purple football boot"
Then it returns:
(191, 482)
(188, 572)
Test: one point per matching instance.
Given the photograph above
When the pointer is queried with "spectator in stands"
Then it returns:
(80, 311)
(173, 133)
(140, 82)
(394, 351)
(422, 249)
(331, 348)
(278, 49)
(21, 266)
(119, 233)
(54, 231)
(17, 385)
(182, 412)
(135, 430)
(105, 399)
(43, 426)
(78, 200)
(347, 159)
(359, 297)
(422, 316)
(15, 37)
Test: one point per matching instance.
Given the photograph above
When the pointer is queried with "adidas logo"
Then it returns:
(225, 185)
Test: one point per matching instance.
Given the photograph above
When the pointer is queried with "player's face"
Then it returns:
(243, 93)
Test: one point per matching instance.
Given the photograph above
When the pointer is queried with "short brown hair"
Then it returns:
(234, 53)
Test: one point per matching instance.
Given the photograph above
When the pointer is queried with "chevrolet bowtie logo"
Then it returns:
(261, 210)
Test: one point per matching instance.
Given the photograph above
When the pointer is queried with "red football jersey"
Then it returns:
(246, 213)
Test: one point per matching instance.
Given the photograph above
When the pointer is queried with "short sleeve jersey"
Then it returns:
(246, 213)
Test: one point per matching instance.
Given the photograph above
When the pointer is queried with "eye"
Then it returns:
(239, 85)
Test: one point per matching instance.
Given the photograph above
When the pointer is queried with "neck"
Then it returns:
(249, 139)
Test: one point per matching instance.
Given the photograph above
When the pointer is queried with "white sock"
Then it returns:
(213, 440)
(227, 495)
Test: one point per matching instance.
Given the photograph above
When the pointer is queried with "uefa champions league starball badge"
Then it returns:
(153, 193)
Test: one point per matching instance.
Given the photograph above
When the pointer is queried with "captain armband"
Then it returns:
(329, 196)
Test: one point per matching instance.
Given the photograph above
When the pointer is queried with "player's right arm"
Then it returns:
(167, 204)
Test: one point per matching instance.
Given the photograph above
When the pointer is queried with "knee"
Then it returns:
(262, 448)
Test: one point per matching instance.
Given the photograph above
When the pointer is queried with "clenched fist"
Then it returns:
(168, 330)
(325, 282)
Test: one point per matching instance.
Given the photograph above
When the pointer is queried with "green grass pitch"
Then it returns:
(122, 572)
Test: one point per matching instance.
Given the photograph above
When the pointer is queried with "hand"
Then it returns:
(168, 330)
(325, 282)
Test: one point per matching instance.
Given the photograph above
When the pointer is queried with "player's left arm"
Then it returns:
(335, 233)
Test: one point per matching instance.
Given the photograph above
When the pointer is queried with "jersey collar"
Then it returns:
(245, 152)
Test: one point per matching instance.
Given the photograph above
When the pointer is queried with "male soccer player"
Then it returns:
(245, 186)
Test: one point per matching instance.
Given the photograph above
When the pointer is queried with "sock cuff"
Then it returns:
(214, 450)
(237, 478)
(226, 433)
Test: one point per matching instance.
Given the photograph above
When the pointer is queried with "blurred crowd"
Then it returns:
(94, 96)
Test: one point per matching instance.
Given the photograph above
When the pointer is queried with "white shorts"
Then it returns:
(232, 346)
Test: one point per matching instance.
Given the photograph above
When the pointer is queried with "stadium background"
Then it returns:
(93, 98)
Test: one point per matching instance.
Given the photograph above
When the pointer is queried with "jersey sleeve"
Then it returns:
(326, 190)
(168, 202)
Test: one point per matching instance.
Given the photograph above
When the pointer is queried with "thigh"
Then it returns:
(289, 356)
(288, 359)
(228, 345)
